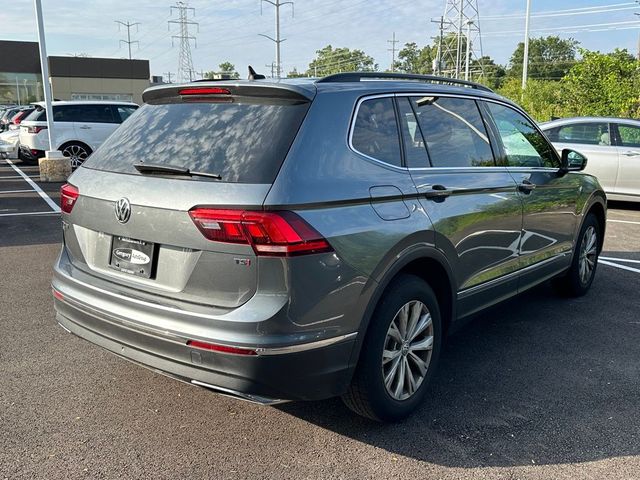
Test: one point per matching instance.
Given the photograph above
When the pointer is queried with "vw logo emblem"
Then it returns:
(123, 210)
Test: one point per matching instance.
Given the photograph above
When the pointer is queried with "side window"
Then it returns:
(629, 135)
(95, 114)
(524, 146)
(375, 132)
(123, 112)
(585, 133)
(454, 132)
(415, 152)
(63, 113)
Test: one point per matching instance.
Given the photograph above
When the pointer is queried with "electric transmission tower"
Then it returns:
(277, 4)
(185, 62)
(393, 50)
(460, 40)
(128, 41)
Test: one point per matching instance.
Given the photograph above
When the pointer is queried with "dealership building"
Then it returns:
(72, 78)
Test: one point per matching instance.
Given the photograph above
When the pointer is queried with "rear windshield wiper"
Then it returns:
(171, 170)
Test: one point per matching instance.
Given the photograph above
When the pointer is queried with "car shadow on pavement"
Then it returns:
(540, 379)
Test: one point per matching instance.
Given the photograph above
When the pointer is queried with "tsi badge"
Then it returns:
(123, 210)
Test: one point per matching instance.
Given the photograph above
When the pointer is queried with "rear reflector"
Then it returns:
(220, 348)
(269, 233)
(205, 91)
(57, 294)
(68, 196)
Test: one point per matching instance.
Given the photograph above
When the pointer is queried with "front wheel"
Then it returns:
(578, 279)
(400, 352)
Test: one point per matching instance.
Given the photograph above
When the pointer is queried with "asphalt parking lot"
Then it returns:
(540, 387)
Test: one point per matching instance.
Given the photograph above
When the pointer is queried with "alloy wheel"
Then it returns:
(76, 153)
(588, 254)
(407, 350)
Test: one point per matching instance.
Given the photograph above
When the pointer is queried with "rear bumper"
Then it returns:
(313, 368)
(30, 154)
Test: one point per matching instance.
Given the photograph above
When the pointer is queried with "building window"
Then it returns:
(116, 97)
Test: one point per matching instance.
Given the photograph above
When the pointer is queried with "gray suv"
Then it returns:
(303, 239)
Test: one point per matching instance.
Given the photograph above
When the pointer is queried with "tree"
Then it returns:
(331, 60)
(550, 58)
(542, 99)
(412, 59)
(224, 69)
(604, 85)
(493, 75)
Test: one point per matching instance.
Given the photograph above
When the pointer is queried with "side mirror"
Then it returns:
(572, 161)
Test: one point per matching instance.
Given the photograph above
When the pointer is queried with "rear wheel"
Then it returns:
(578, 279)
(77, 153)
(400, 352)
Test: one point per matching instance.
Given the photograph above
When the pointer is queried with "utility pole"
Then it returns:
(185, 62)
(393, 51)
(525, 60)
(437, 68)
(272, 66)
(468, 52)
(168, 74)
(128, 41)
(638, 14)
(277, 4)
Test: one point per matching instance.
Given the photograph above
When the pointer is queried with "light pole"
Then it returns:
(525, 61)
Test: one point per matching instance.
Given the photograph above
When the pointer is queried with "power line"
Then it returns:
(185, 62)
(571, 11)
(128, 41)
(566, 28)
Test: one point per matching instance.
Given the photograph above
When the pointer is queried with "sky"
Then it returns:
(229, 30)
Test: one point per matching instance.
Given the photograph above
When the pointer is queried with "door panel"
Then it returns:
(473, 205)
(549, 197)
(628, 178)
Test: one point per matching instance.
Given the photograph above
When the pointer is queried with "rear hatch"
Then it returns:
(153, 200)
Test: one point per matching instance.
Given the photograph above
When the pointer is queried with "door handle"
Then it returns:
(526, 186)
(631, 153)
(85, 127)
(437, 192)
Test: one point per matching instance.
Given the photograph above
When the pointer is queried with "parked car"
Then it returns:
(15, 121)
(298, 240)
(80, 128)
(612, 146)
(8, 114)
(9, 144)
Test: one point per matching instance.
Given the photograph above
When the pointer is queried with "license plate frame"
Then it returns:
(132, 256)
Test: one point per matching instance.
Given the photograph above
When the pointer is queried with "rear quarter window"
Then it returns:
(242, 139)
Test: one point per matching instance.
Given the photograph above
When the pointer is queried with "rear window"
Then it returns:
(243, 141)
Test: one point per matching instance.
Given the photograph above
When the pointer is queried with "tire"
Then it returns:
(77, 152)
(369, 394)
(578, 279)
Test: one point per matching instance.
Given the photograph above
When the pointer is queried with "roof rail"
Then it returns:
(359, 76)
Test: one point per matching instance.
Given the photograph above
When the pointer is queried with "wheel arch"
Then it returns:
(426, 263)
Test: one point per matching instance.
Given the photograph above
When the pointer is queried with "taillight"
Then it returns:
(68, 196)
(220, 348)
(269, 233)
(205, 91)
(35, 129)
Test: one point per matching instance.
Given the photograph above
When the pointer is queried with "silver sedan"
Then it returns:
(612, 147)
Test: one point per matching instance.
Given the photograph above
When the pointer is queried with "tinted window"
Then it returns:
(582, 133)
(244, 141)
(375, 132)
(454, 132)
(94, 114)
(414, 148)
(524, 146)
(61, 113)
(629, 135)
(124, 112)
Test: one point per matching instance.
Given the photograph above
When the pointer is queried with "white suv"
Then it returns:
(80, 128)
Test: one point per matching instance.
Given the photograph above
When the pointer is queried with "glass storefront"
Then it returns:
(20, 88)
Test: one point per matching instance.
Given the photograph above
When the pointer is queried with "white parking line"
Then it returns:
(35, 186)
(28, 213)
(623, 221)
(622, 267)
(625, 260)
